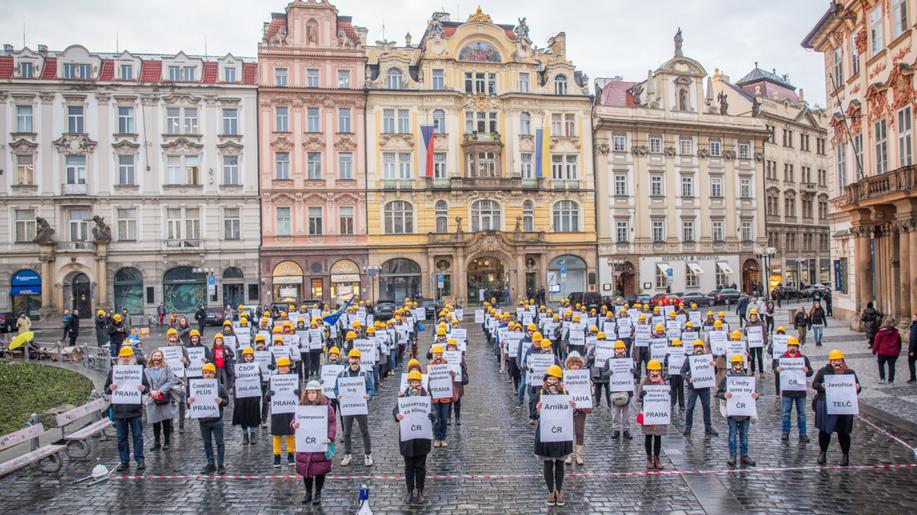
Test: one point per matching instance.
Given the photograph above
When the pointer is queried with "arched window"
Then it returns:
(395, 78)
(439, 121)
(683, 99)
(129, 290)
(560, 84)
(399, 278)
(399, 217)
(184, 290)
(233, 272)
(528, 216)
(485, 216)
(442, 216)
(525, 124)
(566, 216)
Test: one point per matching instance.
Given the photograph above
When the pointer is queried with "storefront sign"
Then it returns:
(25, 282)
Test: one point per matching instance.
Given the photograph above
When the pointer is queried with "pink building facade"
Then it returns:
(311, 65)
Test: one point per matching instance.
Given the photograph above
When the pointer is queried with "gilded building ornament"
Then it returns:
(479, 17)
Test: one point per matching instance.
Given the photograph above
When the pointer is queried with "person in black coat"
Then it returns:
(872, 319)
(553, 453)
(828, 424)
(101, 323)
(414, 451)
(912, 350)
(201, 316)
(128, 418)
(73, 327)
(116, 334)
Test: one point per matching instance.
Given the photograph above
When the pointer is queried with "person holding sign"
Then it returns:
(574, 366)
(698, 373)
(313, 466)
(223, 360)
(160, 405)
(440, 409)
(414, 447)
(126, 384)
(173, 340)
(354, 370)
(676, 381)
(538, 359)
(792, 369)
(247, 409)
(737, 411)
(281, 419)
(652, 433)
(621, 379)
(756, 334)
(458, 387)
(212, 426)
(834, 411)
(557, 441)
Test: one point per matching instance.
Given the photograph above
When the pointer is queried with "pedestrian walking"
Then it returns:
(161, 407)
(314, 466)
(652, 433)
(818, 320)
(829, 424)
(161, 312)
(184, 330)
(912, 351)
(553, 453)
(741, 309)
(793, 398)
(128, 418)
(212, 427)
(738, 424)
(201, 317)
(871, 319)
(73, 327)
(887, 347)
(101, 326)
(801, 324)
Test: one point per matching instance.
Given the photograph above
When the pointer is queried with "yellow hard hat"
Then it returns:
(126, 351)
(689, 324)
(545, 343)
(736, 335)
(792, 340)
(641, 318)
(415, 375)
(100, 312)
(753, 312)
(660, 327)
(194, 332)
(354, 353)
(248, 350)
(717, 324)
(676, 342)
(537, 337)
(619, 344)
(710, 313)
(278, 338)
(737, 358)
(116, 317)
(576, 318)
(370, 330)
(334, 350)
(554, 371)
(227, 322)
(531, 327)
(283, 361)
(413, 363)
(172, 332)
(672, 314)
(781, 330)
(218, 336)
(451, 341)
(276, 330)
(693, 306)
(835, 354)
(350, 335)
(437, 349)
(210, 367)
(721, 314)
(698, 343)
(600, 336)
(441, 331)
(259, 337)
(654, 364)
(657, 309)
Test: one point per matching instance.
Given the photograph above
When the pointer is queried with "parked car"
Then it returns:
(7, 321)
(590, 299)
(643, 298)
(666, 299)
(698, 298)
(809, 291)
(384, 309)
(725, 295)
(790, 292)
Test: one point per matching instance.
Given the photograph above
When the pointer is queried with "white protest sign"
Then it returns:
(459, 313)
(755, 335)
(512, 343)
(351, 396)
(608, 327)
(778, 345)
(173, 355)
(577, 384)
(459, 333)
(440, 381)
(248, 380)
(230, 342)
(792, 377)
(204, 392)
(538, 364)
(329, 374)
(717, 342)
(735, 347)
(604, 350)
(622, 376)
(658, 348)
(577, 337)
(263, 359)
(312, 433)
(479, 316)
(555, 419)
(642, 335)
(424, 382)
(841, 394)
(416, 424)
(624, 327)
(244, 338)
(454, 359)
(197, 356)
(126, 378)
(367, 350)
(702, 373)
(656, 404)
(283, 393)
(316, 339)
(280, 350)
(676, 360)
(694, 317)
(741, 404)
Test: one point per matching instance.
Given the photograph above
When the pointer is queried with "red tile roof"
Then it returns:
(249, 73)
(150, 71)
(615, 94)
(345, 25)
(50, 70)
(278, 20)
(107, 71)
(6, 67)
(211, 70)
(772, 91)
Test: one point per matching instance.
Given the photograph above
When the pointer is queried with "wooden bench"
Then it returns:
(50, 455)
(78, 442)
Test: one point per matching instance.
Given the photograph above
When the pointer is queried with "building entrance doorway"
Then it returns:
(486, 280)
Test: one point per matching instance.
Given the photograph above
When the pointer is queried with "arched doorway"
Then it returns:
(751, 276)
(566, 274)
(345, 279)
(233, 286)
(183, 290)
(624, 279)
(399, 278)
(486, 279)
(286, 280)
(129, 290)
(78, 293)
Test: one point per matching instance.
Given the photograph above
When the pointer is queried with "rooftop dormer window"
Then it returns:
(126, 72)
(229, 74)
(182, 73)
(26, 70)
(77, 71)
(560, 85)
(395, 79)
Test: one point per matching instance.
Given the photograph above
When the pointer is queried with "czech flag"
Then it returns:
(426, 134)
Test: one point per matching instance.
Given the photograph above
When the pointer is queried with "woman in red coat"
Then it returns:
(313, 466)
(887, 346)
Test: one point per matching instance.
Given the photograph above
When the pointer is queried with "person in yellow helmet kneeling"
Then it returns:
(553, 453)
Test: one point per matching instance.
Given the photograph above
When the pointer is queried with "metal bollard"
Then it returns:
(60, 352)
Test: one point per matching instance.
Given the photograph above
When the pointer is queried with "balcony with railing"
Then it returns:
(181, 244)
(74, 189)
(901, 181)
(471, 138)
(78, 245)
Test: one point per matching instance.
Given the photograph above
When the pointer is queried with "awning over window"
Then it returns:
(695, 268)
(663, 268)
(723, 267)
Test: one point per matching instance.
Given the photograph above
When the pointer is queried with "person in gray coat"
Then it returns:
(161, 406)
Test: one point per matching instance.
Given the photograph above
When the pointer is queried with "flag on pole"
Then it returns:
(426, 155)
(333, 318)
(542, 151)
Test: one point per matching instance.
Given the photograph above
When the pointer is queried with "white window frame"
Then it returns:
(314, 216)
(231, 170)
(314, 166)
(905, 140)
(345, 165)
(126, 170)
(283, 224)
(281, 166)
(232, 223)
(24, 119)
(127, 224)
(313, 119)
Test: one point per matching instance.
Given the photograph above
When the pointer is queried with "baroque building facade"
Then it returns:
(131, 181)
(795, 177)
(679, 204)
(479, 163)
(311, 105)
(869, 61)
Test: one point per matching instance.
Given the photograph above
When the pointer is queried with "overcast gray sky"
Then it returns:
(604, 37)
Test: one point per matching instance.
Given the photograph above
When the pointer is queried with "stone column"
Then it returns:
(102, 274)
(904, 269)
(459, 281)
(912, 267)
(47, 281)
(863, 267)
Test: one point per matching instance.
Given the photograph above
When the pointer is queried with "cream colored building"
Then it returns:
(678, 200)
(795, 176)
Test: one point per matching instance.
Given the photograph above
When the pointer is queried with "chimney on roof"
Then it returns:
(7, 48)
(43, 49)
(802, 96)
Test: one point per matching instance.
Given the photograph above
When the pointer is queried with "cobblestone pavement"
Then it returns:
(489, 466)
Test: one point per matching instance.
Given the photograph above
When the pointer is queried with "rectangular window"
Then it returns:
(747, 233)
(525, 124)
(312, 78)
(655, 145)
(344, 119)
(282, 119)
(24, 119)
(404, 165)
(78, 224)
(619, 142)
(526, 169)
(404, 124)
(491, 83)
(621, 231)
(687, 186)
(191, 126)
(76, 169)
(439, 165)
(691, 279)
(232, 223)
(25, 169)
(687, 230)
(74, 119)
(190, 72)
(658, 231)
(192, 170)
(230, 122)
(229, 74)
(744, 188)
(557, 124)
(231, 170)
(880, 135)
(313, 119)
(858, 154)
(315, 221)
(173, 120)
(126, 170)
(174, 73)
(345, 216)
(557, 167)
(388, 121)
(26, 70)
(876, 39)
(899, 17)
(905, 150)
(718, 230)
(716, 149)
(280, 76)
(439, 79)
(173, 170)
(314, 166)
(744, 151)
(127, 224)
(841, 162)
(523, 82)
(388, 165)
(283, 221)
(281, 165)
(854, 56)
(125, 120)
(344, 79)
(345, 165)
(572, 167)
(25, 225)
(569, 124)
(838, 57)
(686, 146)
(716, 187)
(656, 186)
(620, 185)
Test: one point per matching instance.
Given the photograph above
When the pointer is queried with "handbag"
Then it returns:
(162, 399)
(329, 453)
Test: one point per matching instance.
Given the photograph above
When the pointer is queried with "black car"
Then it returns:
(725, 295)
(7, 321)
(809, 291)
(641, 298)
(589, 299)
(790, 292)
(698, 298)
(384, 309)
(214, 315)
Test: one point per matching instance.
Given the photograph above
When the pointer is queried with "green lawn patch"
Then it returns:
(27, 388)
